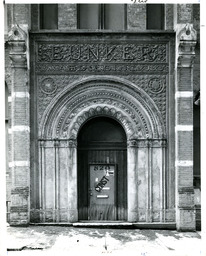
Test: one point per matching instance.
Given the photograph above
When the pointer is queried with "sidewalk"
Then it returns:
(56, 240)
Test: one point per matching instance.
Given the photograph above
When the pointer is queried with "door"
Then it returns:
(102, 203)
(102, 171)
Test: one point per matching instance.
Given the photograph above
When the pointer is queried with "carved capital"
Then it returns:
(132, 143)
(56, 143)
(17, 34)
(18, 60)
(72, 143)
(18, 40)
(186, 48)
(187, 33)
(41, 143)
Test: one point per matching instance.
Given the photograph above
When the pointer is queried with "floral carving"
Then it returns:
(156, 85)
(107, 92)
(48, 86)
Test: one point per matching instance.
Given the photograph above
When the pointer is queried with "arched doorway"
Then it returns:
(102, 170)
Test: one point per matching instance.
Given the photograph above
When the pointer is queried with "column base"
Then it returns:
(185, 219)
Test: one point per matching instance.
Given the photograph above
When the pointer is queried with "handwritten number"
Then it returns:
(139, 1)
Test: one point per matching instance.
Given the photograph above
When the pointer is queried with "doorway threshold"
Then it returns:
(112, 224)
(131, 225)
(103, 224)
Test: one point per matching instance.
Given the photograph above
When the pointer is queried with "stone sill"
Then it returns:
(88, 31)
(118, 224)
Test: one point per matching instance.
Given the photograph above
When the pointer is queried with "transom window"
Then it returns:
(102, 16)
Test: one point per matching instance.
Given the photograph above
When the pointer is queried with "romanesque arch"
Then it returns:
(117, 98)
(144, 126)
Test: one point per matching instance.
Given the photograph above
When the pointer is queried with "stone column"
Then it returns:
(132, 184)
(20, 128)
(186, 41)
(72, 181)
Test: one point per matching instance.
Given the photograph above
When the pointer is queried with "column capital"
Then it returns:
(132, 143)
(17, 38)
(187, 37)
(72, 143)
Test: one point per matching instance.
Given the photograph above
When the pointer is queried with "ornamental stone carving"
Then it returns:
(187, 41)
(141, 81)
(95, 57)
(48, 86)
(102, 96)
(17, 38)
(98, 52)
(156, 85)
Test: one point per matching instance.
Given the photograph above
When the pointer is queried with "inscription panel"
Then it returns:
(107, 57)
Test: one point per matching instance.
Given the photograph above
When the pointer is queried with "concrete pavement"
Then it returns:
(58, 240)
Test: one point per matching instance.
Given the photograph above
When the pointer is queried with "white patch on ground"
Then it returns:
(183, 246)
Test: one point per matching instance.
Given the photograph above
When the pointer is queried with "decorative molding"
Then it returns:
(17, 34)
(101, 110)
(72, 143)
(95, 57)
(156, 85)
(132, 143)
(65, 84)
(146, 143)
(17, 40)
(131, 102)
(102, 68)
(187, 37)
(107, 52)
(48, 86)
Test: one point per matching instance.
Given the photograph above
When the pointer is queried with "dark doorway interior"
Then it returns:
(102, 152)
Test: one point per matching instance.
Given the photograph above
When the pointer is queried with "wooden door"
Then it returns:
(102, 203)
(102, 155)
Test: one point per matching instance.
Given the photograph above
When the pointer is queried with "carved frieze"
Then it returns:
(98, 52)
(95, 57)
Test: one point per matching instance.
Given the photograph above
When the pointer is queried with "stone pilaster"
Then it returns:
(72, 181)
(132, 150)
(186, 41)
(19, 162)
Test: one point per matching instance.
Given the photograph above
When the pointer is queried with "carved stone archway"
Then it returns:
(110, 96)
(144, 127)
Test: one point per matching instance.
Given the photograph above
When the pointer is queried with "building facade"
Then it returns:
(101, 124)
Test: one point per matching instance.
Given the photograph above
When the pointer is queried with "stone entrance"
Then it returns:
(132, 107)
(59, 80)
